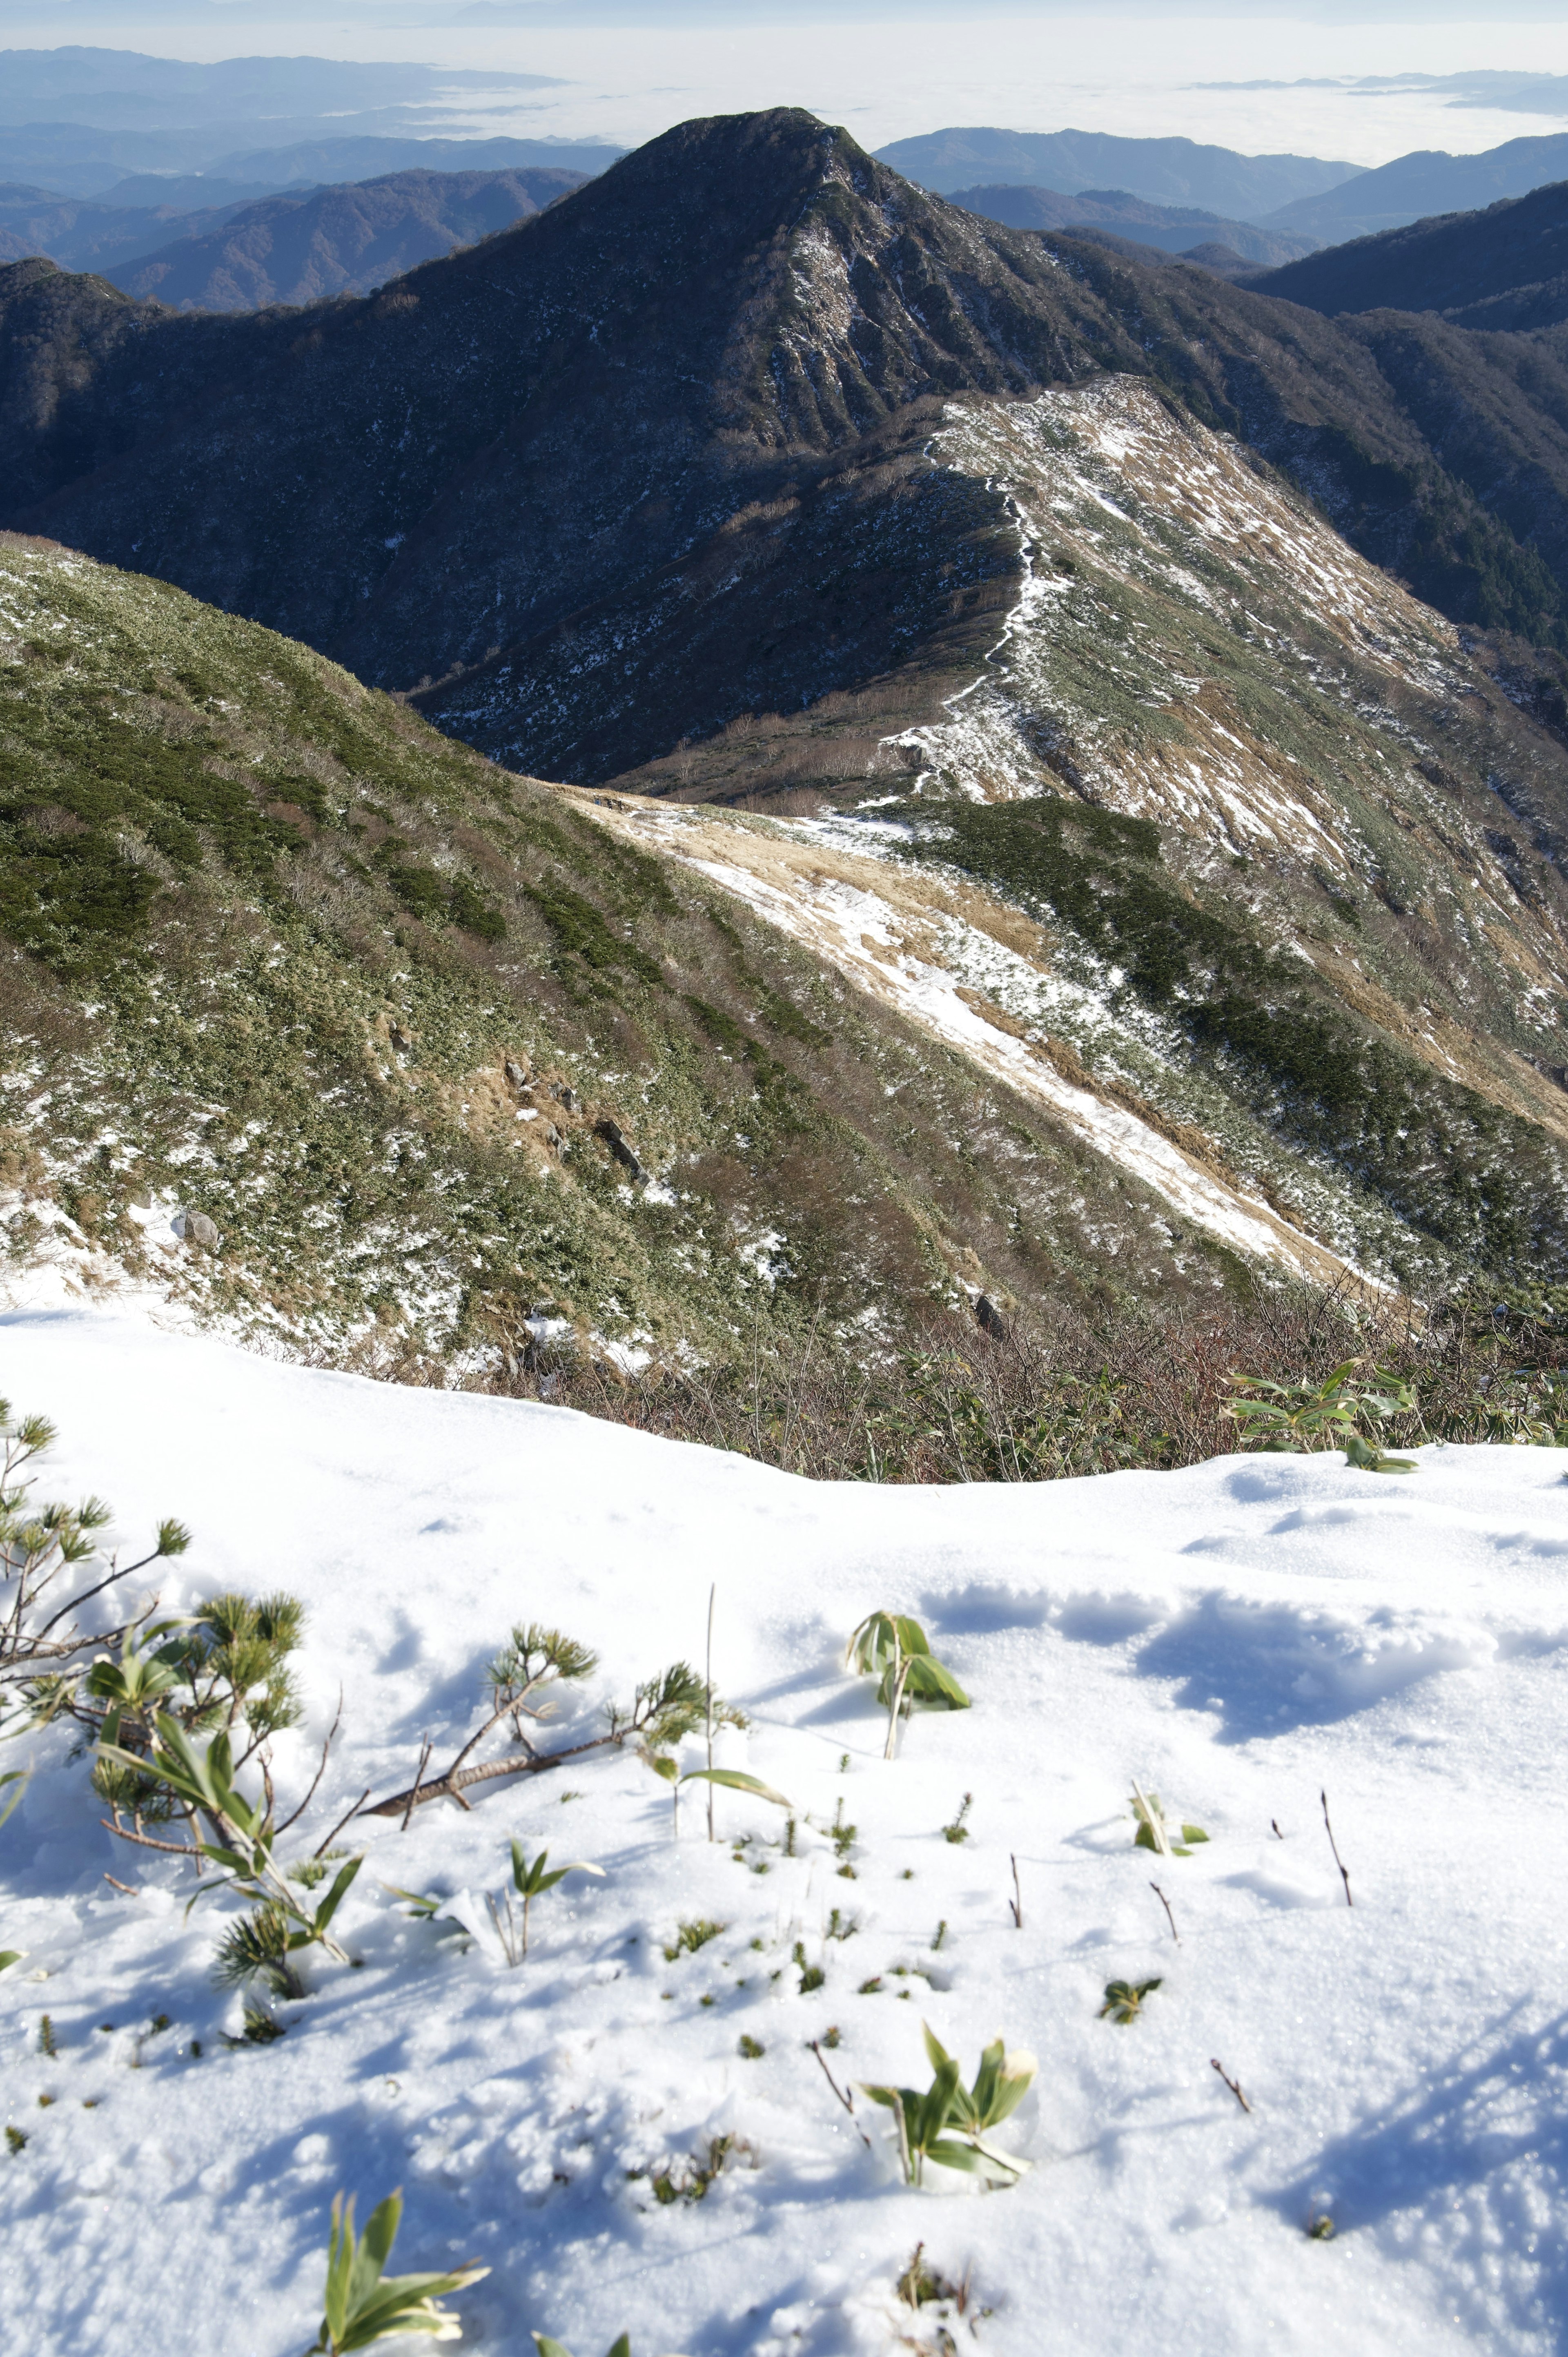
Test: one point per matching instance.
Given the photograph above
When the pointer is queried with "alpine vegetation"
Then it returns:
(1151, 1832)
(948, 2123)
(530, 1881)
(45, 1552)
(893, 1649)
(364, 2305)
(1124, 1999)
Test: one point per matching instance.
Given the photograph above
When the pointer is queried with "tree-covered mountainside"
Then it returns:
(1506, 267)
(337, 241)
(653, 462)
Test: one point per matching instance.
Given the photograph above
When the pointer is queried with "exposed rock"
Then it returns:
(610, 1132)
(196, 1228)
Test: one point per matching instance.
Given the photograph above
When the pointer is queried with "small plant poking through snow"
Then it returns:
(894, 1650)
(1154, 1834)
(1124, 1999)
(530, 1881)
(689, 1937)
(689, 2180)
(843, 1839)
(958, 1830)
(949, 2121)
(363, 2304)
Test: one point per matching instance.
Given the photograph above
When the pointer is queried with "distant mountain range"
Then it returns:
(1181, 895)
(1296, 197)
(1161, 171)
(76, 121)
(81, 235)
(1430, 182)
(343, 240)
(1172, 229)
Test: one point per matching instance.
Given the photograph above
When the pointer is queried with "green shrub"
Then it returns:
(363, 2304)
(893, 1649)
(949, 2121)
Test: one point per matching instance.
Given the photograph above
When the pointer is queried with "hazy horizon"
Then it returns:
(1314, 83)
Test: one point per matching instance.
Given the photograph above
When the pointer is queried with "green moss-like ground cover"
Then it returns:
(269, 940)
(1483, 1183)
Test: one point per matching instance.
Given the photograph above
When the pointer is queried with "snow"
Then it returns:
(1236, 1636)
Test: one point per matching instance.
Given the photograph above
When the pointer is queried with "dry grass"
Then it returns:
(1091, 1393)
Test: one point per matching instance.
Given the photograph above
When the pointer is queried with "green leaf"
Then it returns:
(329, 1906)
(548, 2348)
(11, 1956)
(928, 1682)
(1193, 1834)
(949, 2154)
(737, 1782)
(935, 2053)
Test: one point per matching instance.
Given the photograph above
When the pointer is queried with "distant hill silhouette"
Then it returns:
(80, 234)
(1421, 184)
(1504, 268)
(342, 241)
(315, 160)
(1174, 229)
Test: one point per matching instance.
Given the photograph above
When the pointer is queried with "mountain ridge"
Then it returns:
(642, 435)
(1161, 171)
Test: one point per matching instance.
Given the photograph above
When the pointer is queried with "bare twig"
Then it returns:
(1334, 1846)
(1234, 2085)
(453, 1784)
(320, 1769)
(145, 1841)
(708, 1702)
(129, 1888)
(1165, 1903)
(418, 1780)
(1015, 1904)
(1275, 1823)
(846, 2101)
(342, 1821)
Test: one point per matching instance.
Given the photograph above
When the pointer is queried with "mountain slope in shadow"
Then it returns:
(655, 460)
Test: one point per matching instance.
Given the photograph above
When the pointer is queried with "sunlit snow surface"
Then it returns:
(1236, 1636)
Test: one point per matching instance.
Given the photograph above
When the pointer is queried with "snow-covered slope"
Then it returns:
(1238, 1637)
